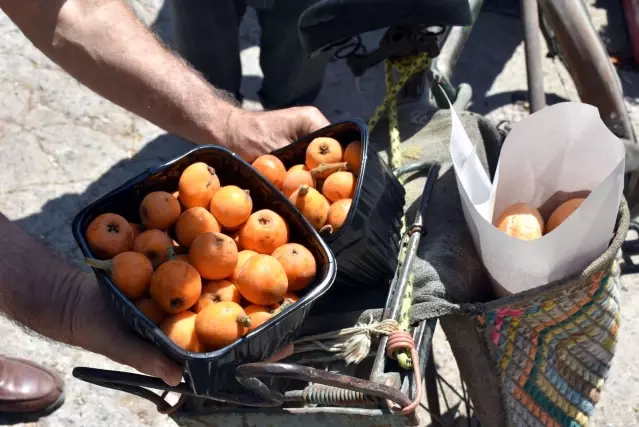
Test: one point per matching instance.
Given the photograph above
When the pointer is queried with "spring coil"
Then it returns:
(319, 394)
(400, 340)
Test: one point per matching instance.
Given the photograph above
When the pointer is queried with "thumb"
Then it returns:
(309, 120)
(96, 327)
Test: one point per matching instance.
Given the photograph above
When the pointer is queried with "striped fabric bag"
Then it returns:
(547, 351)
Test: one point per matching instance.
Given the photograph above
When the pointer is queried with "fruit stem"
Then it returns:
(97, 263)
(304, 189)
(328, 229)
(282, 306)
(334, 167)
(244, 320)
(211, 170)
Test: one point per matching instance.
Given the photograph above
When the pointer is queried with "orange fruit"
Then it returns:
(298, 168)
(175, 286)
(259, 315)
(338, 186)
(151, 309)
(197, 185)
(215, 291)
(242, 257)
(156, 245)
(130, 271)
(214, 255)
(108, 235)
(221, 324)
(272, 168)
(521, 221)
(562, 213)
(231, 206)
(180, 328)
(263, 232)
(337, 214)
(299, 265)
(295, 179)
(311, 204)
(159, 210)
(137, 229)
(323, 150)
(192, 223)
(353, 156)
(263, 280)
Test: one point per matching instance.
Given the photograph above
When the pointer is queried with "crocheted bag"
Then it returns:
(547, 351)
(535, 358)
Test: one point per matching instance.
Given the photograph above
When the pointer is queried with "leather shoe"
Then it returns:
(27, 391)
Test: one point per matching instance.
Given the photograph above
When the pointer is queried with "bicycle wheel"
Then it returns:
(572, 34)
(567, 27)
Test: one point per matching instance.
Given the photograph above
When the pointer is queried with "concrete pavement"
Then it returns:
(62, 146)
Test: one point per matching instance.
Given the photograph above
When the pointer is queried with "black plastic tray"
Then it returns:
(209, 372)
(367, 246)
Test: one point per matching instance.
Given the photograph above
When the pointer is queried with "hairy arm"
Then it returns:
(107, 48)
(27, 271)
(49, 296)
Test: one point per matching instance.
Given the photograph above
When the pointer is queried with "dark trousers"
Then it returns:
(206, 34)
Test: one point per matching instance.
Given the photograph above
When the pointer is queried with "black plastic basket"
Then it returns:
(210, 372)
(366, 247)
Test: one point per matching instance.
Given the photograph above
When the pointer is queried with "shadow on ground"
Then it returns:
(53, 223)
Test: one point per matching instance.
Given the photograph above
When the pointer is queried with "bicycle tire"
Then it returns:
(569, 31)
(572, 34)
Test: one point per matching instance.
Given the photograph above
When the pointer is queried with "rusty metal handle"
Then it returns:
(138, 384)
(248, 374)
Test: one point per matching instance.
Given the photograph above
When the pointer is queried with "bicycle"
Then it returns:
(433, 34)
(442, 31)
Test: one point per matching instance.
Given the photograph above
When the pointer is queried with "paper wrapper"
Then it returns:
(560, 152)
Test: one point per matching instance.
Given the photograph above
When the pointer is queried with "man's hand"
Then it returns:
(94, 326)
(103, 45)
(257, 133)
(62, 303)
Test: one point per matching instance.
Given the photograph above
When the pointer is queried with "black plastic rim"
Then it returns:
(317, 290)
(363, 133)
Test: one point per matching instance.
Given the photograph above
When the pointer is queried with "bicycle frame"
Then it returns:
(441, 71)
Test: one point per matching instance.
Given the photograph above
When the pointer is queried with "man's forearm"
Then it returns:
(107, 48)
(37, 288)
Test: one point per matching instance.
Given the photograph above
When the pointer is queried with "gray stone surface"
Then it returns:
(61, 146)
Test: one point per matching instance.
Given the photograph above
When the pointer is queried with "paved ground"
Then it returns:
(61, 146)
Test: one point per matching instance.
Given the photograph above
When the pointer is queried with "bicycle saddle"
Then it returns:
(330, 22)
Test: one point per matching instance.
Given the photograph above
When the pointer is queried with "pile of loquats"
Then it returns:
(208, 269)
(202, 264)
(523, 221)
(322, 187)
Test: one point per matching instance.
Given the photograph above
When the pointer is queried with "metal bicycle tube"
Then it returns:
(532, 45)
(398, 286)
(454, 43)
(588, 63)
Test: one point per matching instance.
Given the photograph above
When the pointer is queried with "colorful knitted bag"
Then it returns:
(550, 348)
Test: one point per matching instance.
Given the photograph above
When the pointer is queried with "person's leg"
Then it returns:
(206, 34)
(289, 77)
(27, 391)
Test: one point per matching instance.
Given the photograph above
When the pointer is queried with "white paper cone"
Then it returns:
(562, 148)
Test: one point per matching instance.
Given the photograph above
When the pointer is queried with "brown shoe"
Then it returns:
(27, 391)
